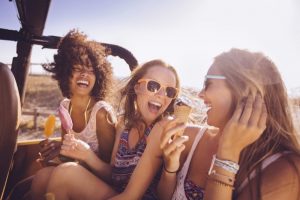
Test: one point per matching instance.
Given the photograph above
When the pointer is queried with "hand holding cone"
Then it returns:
(182, 110)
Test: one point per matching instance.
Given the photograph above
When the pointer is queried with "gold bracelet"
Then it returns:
(222, 178)
(222, 184)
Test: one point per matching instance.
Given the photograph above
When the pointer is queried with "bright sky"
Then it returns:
(186, 34)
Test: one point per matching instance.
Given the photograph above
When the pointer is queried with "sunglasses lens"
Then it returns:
(153, 86)
(171, 92)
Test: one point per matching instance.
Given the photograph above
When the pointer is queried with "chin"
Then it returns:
(212, 123)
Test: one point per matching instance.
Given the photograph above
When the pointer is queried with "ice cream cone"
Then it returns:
(182, 111)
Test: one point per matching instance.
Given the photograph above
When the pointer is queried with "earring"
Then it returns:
(135, 105)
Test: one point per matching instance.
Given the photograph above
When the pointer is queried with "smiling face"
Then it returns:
(82, 81)
(152, 104)
(217, 97)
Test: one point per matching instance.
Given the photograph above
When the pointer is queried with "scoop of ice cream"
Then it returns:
(65, 118)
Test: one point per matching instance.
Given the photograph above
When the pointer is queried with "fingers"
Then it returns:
(246, 114)
(170, 133)
(175, 154)
(257, 110)
(69, 144)
(44, 142)
(262, 123)
(175, 145)
(249, 113)
(49, 149)
(238, 112)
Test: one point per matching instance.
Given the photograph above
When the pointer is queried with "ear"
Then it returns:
(137, 88)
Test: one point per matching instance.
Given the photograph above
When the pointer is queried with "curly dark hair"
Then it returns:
(74, 48)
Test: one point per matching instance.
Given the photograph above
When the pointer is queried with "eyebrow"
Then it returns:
(215, 77)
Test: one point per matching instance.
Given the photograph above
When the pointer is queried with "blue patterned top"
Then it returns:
(193, 191)
(125, 162)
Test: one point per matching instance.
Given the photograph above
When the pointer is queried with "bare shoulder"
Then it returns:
(105, 115)
(101, 113)
(192, 132)
(288, 165)
(282, 177)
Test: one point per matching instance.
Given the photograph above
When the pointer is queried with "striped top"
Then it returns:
(125, 162)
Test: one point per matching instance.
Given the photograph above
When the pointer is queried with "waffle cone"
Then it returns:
(182, 113)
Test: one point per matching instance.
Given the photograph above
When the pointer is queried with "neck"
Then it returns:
(80, 102)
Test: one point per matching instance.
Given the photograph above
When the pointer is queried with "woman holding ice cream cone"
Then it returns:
(254, 153)
(136, 160)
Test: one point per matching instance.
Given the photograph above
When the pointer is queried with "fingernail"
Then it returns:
(170, 117)
(185, 137)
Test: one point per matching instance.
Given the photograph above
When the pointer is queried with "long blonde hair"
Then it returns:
(248, 72)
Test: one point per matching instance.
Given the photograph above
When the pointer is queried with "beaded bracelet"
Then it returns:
(222, 178)
(165, 169)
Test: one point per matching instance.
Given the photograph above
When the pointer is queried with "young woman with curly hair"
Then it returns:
(84, 76)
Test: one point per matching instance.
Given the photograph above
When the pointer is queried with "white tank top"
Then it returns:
(179, 193)
(88, 134)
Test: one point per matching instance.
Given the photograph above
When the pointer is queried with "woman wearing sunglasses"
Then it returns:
(136, 160)
(254, 154)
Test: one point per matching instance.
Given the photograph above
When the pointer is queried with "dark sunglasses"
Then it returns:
(154, 86)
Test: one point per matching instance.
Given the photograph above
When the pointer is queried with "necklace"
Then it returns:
(85, 114)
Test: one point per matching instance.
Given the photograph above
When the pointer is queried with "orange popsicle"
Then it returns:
(49, 126)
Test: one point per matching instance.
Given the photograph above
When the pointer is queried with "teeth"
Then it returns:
(206, 108)
(155, 103)
(82, 82)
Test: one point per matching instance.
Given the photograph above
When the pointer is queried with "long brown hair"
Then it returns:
(131, 114)
(246, 72)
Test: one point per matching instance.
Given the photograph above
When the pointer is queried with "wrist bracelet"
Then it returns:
(224, 164)
(222, 178)
(222, 184)
(165, 169)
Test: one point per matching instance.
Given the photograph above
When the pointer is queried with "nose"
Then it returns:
(161, 92)
(201, 94)
(83, 73)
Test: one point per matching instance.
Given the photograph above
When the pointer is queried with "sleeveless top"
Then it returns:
(186, 189)
(88, 134)
(125, 162)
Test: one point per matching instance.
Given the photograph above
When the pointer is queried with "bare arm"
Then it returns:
(172, 150)
(105, 133)
(146, 169)
(245, 126)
